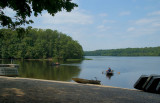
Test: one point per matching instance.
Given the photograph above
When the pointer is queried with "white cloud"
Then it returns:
(125, 13)
(130, 29)
(103, 15)
(74, 17)
(75, 1)
(144, 21)
(156, 24)
(154, 13)
(108, 21)
(148, 22)
(103, 28)
(9, 12)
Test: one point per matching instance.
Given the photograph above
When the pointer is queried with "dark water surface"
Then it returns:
(126, 69)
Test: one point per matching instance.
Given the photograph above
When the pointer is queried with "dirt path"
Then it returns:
(23, 90)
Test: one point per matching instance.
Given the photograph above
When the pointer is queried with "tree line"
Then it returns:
(38, 44)
(147, 51)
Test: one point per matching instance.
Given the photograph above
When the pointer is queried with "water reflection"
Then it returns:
(109, 76)
(44, 70)
(73, 62)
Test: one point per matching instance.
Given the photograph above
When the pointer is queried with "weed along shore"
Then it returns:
(25, 90)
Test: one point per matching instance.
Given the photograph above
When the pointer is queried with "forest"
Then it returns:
(147, 51)
(38, 44)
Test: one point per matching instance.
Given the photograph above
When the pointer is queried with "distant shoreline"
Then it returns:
(148, 51)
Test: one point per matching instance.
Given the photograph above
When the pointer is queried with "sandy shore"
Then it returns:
(24, 90)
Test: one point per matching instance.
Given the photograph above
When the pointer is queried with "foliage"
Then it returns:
(147, 51)
(38, 44)
(24, 8)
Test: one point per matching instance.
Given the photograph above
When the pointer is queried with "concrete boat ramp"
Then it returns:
(24, 90)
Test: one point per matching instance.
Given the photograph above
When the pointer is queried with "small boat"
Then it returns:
(110, 73)
(86, 81)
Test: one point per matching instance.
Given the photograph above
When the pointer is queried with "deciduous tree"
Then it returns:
(24, 8)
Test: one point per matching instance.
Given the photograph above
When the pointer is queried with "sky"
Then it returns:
(107, 24)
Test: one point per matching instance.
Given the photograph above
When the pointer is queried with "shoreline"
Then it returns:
(56, 81)
(24, 90)
(49, 59)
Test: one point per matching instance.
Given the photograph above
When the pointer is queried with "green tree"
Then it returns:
(24, 9)
(39, 44)
(147, 51)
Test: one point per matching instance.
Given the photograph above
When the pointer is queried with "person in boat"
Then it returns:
(109, 70)
(57, 63)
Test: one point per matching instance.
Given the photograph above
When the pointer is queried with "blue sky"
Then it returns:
(108, 24)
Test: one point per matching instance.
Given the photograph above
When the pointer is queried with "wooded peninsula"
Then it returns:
(38, 44)
(147, 51)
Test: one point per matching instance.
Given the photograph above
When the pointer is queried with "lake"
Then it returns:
(126, 69)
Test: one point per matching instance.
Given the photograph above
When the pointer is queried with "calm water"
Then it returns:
(130, 68)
